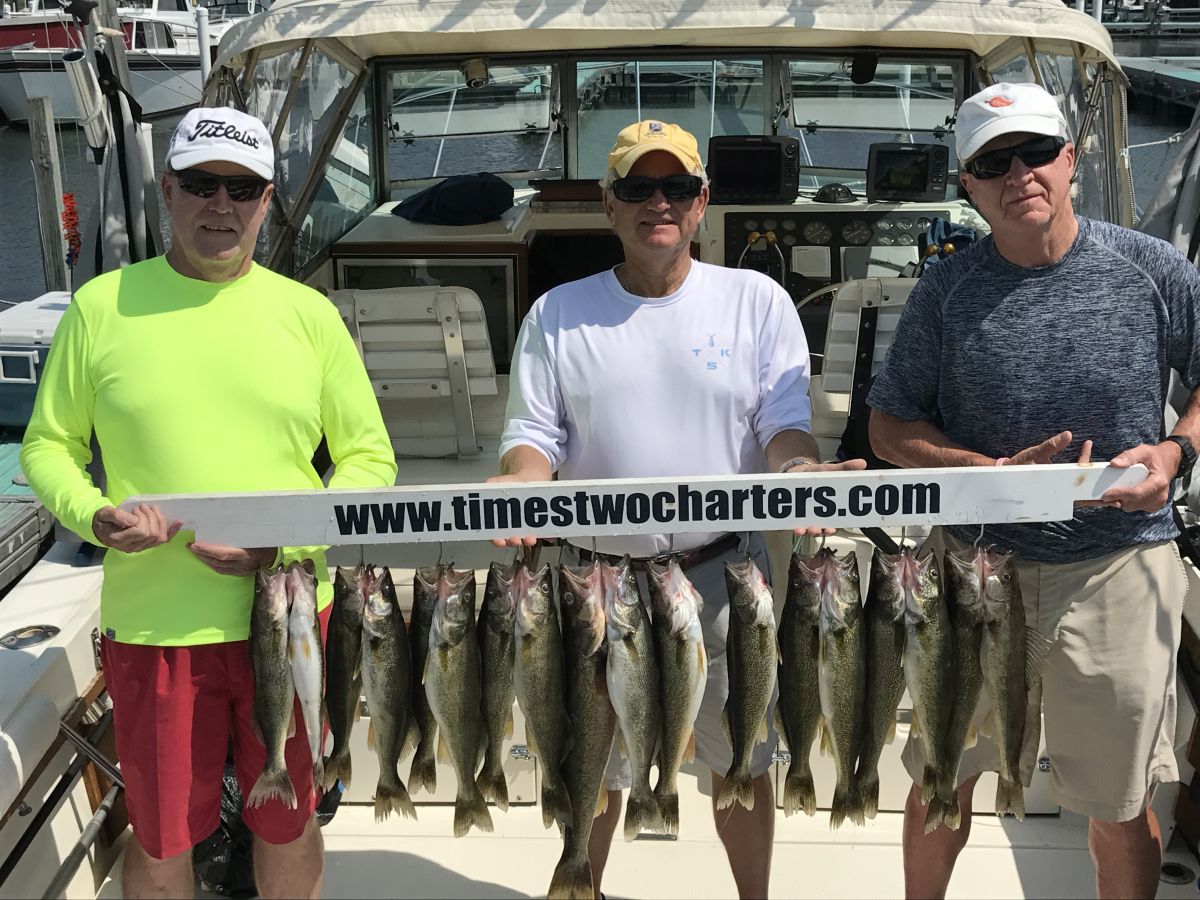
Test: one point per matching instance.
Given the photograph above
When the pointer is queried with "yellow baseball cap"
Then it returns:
(635, 141)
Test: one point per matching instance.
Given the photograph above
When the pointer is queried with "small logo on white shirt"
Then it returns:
(710, 353)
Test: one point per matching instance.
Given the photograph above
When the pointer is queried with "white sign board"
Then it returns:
(466, 512)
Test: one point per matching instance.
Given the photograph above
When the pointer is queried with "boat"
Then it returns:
(374, 100)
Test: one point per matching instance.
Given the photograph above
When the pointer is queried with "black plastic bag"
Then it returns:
(224, 861)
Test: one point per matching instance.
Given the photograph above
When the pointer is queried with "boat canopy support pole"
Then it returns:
(79, 852)
(290, 98)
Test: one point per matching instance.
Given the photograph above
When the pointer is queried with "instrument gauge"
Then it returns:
(923, 223)
(886, 240)
(789, 224)
(884, 225)
(770, 224)
(818, 233)
(907, 239)
(904, 224)
(750, 224)
(788, 240)
(857, 233)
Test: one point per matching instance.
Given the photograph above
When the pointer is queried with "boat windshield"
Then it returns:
(836, 105)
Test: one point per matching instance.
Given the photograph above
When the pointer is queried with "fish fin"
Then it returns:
(779, 721)
(422, 775)
(258, 735)
(799, 793)
(668, 810)
(1037, 645)
(393, 799)
(934, 814)
(556, 804)
(929, 785)
(642, 813)
(763, 731)
(412, 737)
(988, 726)
(337, 768)
(443, 751)
(826, 739)
(951, 814)
(572, 880)
(868, 793)
(914, 727)
(470, 811)
(508, 727)
(845, 805)
(778, 650)
(739, 788)
(689, 750)
(891, 732)
(725, 724)
(621, 748)
(273, 786)
(318, 772)
(371, 735)
(1010, 798)
(357, 711)
(972, 737)
(493, 785)
(601, 802)
(292, 723)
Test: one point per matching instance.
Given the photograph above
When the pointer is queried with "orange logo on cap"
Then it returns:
(1000, 101)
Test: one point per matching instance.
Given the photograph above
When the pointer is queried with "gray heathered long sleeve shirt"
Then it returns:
(1001, 357)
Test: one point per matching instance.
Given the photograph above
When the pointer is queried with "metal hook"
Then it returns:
(594, 554)
(671, 544)
(797, 540)
(979, 540)
(903, 535)
(441, 552)
(362, 557)
(824, 537)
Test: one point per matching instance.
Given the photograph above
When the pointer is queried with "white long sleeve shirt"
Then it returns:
(607, 384)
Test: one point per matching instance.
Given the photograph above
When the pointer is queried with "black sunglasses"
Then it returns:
(639, 188)
(241, 188)
(1035, 152)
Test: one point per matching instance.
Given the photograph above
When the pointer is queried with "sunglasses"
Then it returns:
(639, 188)
(1035, 152)
(241, 188)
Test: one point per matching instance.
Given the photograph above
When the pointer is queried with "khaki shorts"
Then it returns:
(712, 746)
(1108, 681)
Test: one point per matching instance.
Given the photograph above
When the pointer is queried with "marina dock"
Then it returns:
(1167, 84)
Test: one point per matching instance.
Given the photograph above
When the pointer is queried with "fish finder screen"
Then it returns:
(742, 169)
(901, 173)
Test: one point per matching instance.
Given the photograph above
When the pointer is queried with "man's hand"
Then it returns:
(1162, 462)
(132, 531)
(1043, 453)
(528, 540)
(850, 465)
(232, 560)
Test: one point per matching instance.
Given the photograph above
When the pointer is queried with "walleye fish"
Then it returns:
(1010, 658)
(387, 677)
(966, 574)
(307, 657)
(683, 674)
(884, 623)
(752, 657)
(593, 724)
(928, 668)
(274, 691)
(422, 773)
(633, 682)
(538, 679)
(497, 621)
(452, 686)
(798, 712)
(343, 678)
(842, 676)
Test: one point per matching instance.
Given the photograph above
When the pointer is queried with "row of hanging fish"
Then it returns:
(846, 664)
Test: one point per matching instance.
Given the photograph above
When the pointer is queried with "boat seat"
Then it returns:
(862, 319)
(428, 353)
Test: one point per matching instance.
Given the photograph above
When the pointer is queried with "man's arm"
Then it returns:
(1162, 461)
(920, 444)
(524, 463)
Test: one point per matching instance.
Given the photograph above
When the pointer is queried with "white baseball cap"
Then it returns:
(221, 134)
(1003, 109)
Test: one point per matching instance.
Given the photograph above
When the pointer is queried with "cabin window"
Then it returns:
(706, 96)
(438, 126)
(152, 36)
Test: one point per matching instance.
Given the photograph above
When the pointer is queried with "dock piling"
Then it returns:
(47, 182)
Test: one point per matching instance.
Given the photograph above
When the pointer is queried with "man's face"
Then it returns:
(1024, 198)
(657, 224)
(214, 235)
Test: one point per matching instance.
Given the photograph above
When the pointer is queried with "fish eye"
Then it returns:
(1006, 577)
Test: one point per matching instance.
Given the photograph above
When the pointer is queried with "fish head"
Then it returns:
(921, 581)
(302, 583)
(500, 598)
(674, 597)
(455, 610)
(581, 596)
(804, 585)
(965, 579)
(270, 592)
(623, 608)
(749, 594)
(837, 581)
(425, 582)
(1001, 587)
(886, 588)
(380, 603)
(534, 598)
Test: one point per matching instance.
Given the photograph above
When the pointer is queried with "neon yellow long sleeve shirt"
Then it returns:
(196, 387)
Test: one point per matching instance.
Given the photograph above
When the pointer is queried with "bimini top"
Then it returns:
(371, 28)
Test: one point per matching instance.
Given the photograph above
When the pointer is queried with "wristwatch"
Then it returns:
(1187, 454)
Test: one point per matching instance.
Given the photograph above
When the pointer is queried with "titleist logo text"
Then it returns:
(219, 129)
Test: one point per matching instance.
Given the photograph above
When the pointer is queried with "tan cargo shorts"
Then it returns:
(1108, 681)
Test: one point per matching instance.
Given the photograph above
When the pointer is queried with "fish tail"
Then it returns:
(572, 880)
(929, 784)
(846, 804)
(492, 783)
(393, 798)
(319, 773)
(935, 814)
(739, 787)
(337, 768)
(641, 813)
(556, 803)
(470, 809)
(869, 792)
(799, 793)
(1010, 798)
(273, 783)
(423, 773)
(951, 814)
(668, 809)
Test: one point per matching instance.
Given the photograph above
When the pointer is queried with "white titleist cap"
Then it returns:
(1003, 109)
(222, 134)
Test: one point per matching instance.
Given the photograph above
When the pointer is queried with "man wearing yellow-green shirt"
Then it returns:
(200, 372)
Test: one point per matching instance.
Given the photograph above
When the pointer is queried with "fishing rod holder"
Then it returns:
(88, 101)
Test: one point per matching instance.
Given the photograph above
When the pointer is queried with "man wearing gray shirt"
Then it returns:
(1052, 340)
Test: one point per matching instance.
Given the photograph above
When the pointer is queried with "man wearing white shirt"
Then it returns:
(665, 366)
